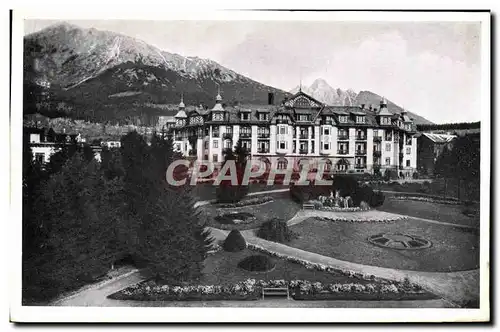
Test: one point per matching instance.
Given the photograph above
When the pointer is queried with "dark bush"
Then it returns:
(230, 194)
(390, 174)
(302, 194)
(415, 175)
(234, 241)
(275, 230)
(257, 263)
(377, 199)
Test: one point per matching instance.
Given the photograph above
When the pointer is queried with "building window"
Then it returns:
(227, 144)
(388, 136)
(282, 163)
(387, 161)
(388, 147)
(407, 163)
(342, 119)
(303, 117)
(283, 130)
(326, 146)
(216, 144)
(244, 116)
(375, 133)
(282, 145)
(408, 150)
(206, 144)
(39, 157)
(360, 119)
(263, 117)
(326, 131)
(215, 158)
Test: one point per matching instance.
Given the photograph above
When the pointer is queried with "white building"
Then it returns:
(301, 129)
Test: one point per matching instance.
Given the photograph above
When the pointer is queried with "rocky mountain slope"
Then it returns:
(322, 91)
(102, 75)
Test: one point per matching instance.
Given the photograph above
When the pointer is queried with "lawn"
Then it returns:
(428, 210)
(283, 208)
(453, 249)
(206, 191)
(221, 269)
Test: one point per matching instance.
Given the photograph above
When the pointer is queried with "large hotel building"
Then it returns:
(300, 129)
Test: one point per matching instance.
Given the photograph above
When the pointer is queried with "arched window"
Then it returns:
(302, 102)
(282, 163)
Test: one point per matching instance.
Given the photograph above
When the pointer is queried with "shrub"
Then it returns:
(226, 193)
(234, 241)
(256, 263)
(377, 199)
(415, 175)
(275, 230)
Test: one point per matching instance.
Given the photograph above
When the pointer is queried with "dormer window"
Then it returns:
(408, 126)
(385, 120)
(217, 116)
(245, 116)
(343, 118)
(263, 117)
(303, 117)
(360, 119)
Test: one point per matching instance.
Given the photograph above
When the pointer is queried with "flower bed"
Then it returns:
(426, 199)
(251, 289)
(246, 202)
(316, 266)
(372, 220)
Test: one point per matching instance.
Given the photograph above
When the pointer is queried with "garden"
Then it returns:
(449, 248)
(237, 271)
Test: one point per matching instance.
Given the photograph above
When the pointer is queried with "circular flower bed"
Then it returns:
(257, 263)
(235, 218)
(399, 241)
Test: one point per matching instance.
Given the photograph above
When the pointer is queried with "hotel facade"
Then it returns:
(347, 139)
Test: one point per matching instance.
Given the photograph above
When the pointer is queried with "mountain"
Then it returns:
(323, 92)
(89, 68)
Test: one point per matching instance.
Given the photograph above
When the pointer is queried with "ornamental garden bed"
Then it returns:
(453, 249)
(385, 219)
(246, 202)
(222, 279)
(279, 207)
(426, 199)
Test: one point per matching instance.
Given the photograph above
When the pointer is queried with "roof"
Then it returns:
(439, 138)
(384, 112)
(218, 107)
(181, 114)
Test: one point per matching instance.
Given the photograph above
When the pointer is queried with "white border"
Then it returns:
(84, 314)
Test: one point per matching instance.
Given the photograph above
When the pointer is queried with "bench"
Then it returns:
(308, 206)
(276, 292)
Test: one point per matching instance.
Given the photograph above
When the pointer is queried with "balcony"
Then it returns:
(215, 134)
(377, 153)
(263, 150)
(228, 135)
(303, 151)
(342, 152)
(343, 137)
(245, 135)
(361, 152)
(263, 135)
(377, 139)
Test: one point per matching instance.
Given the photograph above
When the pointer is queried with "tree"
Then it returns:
(226, 192)
(166, 232)
(445, 166)
(79, 211)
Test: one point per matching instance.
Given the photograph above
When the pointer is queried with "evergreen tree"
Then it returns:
(80, 212)
(226, 192)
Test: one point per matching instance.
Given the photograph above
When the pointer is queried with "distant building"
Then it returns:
(45, 142)
(111, 144)
(429, 148)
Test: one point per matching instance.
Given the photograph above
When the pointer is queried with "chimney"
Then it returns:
(270, 98)
(362, 106)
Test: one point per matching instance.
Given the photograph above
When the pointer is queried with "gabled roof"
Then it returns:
(384, 112)
(301, 96)
(181, 114)
(439, 138)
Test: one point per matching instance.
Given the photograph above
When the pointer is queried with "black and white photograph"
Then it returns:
(177, 166)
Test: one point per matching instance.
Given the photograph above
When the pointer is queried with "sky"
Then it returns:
(430, 68)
